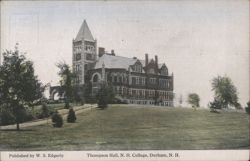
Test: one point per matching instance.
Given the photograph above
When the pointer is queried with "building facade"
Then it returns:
(134, 81)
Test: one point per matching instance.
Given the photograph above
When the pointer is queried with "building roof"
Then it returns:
(161, 65)
(111, 61)
(84, 33)
(118, 62)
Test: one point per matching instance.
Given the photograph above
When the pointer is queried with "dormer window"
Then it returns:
(138, 68)
(151, 71)
(164, 70)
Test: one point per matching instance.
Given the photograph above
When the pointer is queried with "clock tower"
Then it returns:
(84, 53)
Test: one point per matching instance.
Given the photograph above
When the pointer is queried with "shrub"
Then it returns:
(248, 107)
(71, 116)
(57, 120)
(215, 105)
(45, 110)
(102, 103)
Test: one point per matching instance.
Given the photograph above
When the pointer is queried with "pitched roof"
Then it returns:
(114, 62)
(84, 33)
(118, 62)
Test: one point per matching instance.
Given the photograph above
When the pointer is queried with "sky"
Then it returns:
(198, 40)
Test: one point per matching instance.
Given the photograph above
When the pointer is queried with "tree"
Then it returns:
(194, 100)
(67, 77)
(225, 92)
(105, 95)
(180, 100)
(19, 86)
(78, 94)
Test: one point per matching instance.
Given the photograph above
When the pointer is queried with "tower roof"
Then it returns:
(84, 33)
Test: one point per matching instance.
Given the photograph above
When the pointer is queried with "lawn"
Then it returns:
(137, 128)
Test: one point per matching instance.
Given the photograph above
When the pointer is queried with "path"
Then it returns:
(63, 112)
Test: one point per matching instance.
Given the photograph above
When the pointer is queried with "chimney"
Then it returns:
(156, 61)
(146, 59)
(113, 52)
(101, 51)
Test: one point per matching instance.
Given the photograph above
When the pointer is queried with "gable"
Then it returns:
(151, 67)
(137, 67)
(164, 70)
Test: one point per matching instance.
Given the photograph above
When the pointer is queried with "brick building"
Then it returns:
(134, 81)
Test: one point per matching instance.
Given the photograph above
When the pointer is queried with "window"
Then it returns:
(140, 93)
(124, 91)
(95, 79)
(86, 67)
(138, 68)
(120, 90)
(152, 71)
(120, 79)
(129, 92)
(167, 84)
(125, 80)
(140, 80)
(89, 56)
(89, 48)
(146, 93)
(163, 83)
(133, 80)
(137, 80)
(78, 56)
(133, 93)
(78, 67)
(164, 71)
(152, 80)
(77, 49)
(143, 81)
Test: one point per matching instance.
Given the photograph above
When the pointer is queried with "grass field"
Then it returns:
(137, 128)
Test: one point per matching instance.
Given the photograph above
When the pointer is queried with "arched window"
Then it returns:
(95, 78)
(86, 67)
